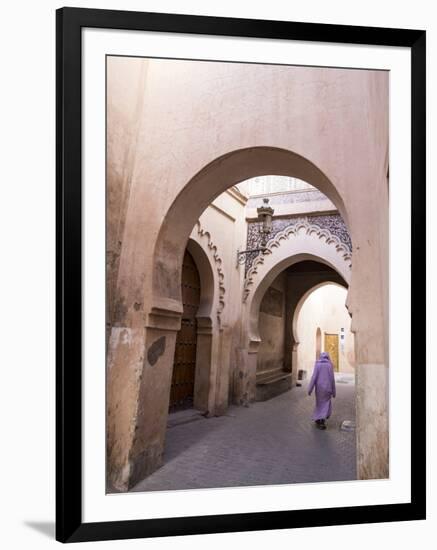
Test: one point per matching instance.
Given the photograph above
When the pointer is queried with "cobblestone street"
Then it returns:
(270, 442)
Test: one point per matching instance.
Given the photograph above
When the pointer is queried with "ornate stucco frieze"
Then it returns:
(332, 222)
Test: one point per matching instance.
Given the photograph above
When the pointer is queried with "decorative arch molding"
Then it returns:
(296, 231)
(303, 243)
(205, 239)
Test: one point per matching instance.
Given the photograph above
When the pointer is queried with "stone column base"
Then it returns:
(372, 421)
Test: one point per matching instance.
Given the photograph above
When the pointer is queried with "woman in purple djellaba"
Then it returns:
(324, 382)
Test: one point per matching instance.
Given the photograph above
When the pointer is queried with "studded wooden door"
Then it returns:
(184, 366)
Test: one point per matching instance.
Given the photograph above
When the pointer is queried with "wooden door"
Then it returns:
(184, 365)
(331, 346)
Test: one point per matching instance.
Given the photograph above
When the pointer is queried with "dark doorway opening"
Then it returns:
(184, 364)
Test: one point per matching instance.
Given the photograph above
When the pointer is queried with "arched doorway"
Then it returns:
(219, 175)
(164, 305)
(184, 364)
(215, 178)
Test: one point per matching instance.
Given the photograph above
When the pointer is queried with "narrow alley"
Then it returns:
(270, 442)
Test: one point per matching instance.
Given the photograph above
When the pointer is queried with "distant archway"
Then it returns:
(312, 331)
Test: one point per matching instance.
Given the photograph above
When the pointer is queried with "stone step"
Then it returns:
(273, 383)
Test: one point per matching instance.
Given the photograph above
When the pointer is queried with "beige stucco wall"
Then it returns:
(325, 308)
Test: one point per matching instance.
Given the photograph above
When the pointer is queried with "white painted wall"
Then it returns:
(325, 308)
(225, 222)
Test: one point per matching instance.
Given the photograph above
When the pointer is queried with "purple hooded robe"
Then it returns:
(324, 382)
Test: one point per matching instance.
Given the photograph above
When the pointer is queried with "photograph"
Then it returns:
(247, 274)
(217, 277)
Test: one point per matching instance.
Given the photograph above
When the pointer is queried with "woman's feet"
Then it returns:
(321, 424)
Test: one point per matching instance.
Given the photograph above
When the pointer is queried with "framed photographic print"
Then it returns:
(240, 271)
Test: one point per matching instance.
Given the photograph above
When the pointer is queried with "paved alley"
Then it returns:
(270, 442)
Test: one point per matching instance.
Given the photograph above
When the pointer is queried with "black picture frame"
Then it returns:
(69, 23)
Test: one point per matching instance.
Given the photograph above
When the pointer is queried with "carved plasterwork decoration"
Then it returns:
(332, 222)
(217, 261)
(298, 227)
